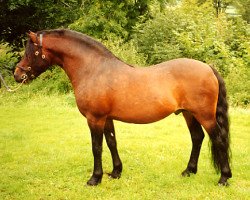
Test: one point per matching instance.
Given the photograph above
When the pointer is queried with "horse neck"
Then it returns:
(79, 61)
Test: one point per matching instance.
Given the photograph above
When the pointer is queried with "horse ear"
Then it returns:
(32, 36)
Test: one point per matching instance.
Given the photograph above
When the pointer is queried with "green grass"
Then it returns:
(45, 153)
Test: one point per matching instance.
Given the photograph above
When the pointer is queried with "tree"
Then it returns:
(18, 16)
(220, 6)
(102, 18)
(243, 8)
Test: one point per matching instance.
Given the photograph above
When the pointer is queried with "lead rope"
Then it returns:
(7, 87)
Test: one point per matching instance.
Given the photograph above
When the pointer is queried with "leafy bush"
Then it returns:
(238, 85)
(126, 51)
(8, 59)
(100, 22)
(183, 32)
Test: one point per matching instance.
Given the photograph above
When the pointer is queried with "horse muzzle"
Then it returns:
(20, 76)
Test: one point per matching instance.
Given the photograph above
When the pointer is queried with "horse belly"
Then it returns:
(142, 113)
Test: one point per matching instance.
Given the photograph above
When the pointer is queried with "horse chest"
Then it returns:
(91, 103)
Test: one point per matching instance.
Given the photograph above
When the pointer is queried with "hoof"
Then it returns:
(94, 180)
(225, 184)
(223, 181)
(187, 172)
(115, 174)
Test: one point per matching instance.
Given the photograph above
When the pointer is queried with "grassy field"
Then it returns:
(46, 153)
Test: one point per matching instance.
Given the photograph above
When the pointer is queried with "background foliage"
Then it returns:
(19, 16)
(140, 32)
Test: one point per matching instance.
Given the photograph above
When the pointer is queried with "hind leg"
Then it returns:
(197, 136)
(109, 132)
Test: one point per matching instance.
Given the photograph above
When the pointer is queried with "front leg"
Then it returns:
(109, 132)
(96, 128)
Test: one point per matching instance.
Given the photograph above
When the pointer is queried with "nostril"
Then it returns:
(17, 77)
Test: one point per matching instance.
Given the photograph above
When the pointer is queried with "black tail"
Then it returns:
(222, 119)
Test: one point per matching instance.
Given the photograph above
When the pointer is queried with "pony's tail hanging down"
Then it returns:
(223, 136)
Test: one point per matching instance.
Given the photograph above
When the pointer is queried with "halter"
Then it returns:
(39, 44)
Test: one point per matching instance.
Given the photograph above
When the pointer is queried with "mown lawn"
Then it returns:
(45, 153)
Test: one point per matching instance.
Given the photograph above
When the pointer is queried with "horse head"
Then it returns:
(35, 61)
